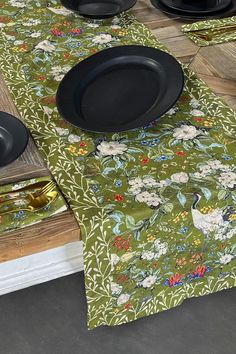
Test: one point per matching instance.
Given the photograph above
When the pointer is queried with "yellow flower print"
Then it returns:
(208, 124)
(197, 242)
(232, 217)
(196, 258)
(181, 262)
(72, 149)
(122, 33)
(151, 238)
(184, 214)
(82, 152)
(206, 210)
(177, 219)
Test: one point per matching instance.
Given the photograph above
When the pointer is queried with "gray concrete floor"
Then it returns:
(51, 319)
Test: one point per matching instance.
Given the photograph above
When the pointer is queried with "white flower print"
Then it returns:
(114, 260)
(62, 131)
(18, 186)
(35, 34)
(10, 38)
(102, 38)
(149, 182)
(115, 21)
(215, 164)
(223, 234)
(111, 148)
(226, 168)
(135, 185)
(143, 197)
(46, 46)
(197, 113)
(122, 299)
(210, 167)
(205, 170)
(198, 175)
(172, 111)
(164, 183)
(194, 103)
(2, 25)
(115, 288)
(17, 3)
(151, 199)
(92, 25)
(231, 233)
(18, 42)
(136, 182)
(228, 179)
(31, 22)
(149, 281)
(226, 258)
(58, 72)
(60, 11)
(186, 132)
(148, 255)
(72, 138)
(180, 177)
(161, 248)
(127, 256)
(134, 190)
(19, 202)
(115, 27)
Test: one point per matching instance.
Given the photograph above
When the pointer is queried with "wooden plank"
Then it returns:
(223, 58)
(178, 44)
(51, 233)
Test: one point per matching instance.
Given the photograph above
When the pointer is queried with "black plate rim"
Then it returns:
(127, 126)
(229, 11)
(122, 9)
(4, 119)
(206, 12)
(111, 14)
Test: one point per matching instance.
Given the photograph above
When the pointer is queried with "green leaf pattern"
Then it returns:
(208, 28)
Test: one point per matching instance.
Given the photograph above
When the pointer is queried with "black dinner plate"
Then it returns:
(120, 88)
(98, 9)
(14, 138)
(197, 6)
(228, 11)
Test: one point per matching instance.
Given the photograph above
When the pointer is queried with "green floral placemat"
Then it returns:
(211, 28)
(21, 218)
(156, 205)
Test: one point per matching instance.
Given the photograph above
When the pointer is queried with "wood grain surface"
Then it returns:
(216, 65)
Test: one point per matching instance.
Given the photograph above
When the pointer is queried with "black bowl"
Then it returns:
(99, 9)
(14, 138)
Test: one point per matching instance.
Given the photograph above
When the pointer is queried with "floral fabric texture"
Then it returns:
(212, 28)
(156, 205)
(22, 218)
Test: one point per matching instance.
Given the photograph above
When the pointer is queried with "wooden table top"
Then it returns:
(214, 64)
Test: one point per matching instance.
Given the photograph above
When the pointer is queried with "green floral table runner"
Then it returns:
(20, 218)
(213, 29)
(156, 205)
